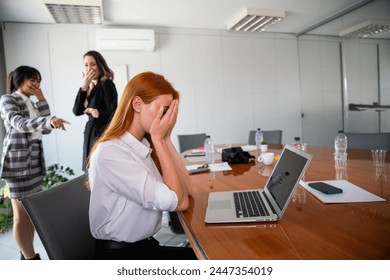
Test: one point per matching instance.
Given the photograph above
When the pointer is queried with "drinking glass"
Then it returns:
(378, 157)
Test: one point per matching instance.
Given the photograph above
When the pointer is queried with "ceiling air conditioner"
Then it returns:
(109, 39)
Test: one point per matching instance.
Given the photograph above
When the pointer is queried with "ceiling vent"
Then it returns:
(110, 39)
(76, 11)
(367, 28)
(252, 19)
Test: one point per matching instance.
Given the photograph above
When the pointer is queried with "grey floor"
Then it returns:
(10, 251)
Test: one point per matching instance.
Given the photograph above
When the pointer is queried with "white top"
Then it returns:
(34, 113)
(127, 191)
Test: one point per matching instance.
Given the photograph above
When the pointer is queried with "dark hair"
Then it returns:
(104, 70)
(22, 73)
(9, 85)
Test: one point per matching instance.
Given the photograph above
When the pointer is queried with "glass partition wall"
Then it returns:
(345, 84)
(366, 85)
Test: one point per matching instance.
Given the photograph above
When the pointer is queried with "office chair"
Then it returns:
(175, 226)
(60, 217)
(271, 136)
(191, 141)
(369, 141)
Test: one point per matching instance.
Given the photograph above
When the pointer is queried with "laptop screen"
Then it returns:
(285, 176)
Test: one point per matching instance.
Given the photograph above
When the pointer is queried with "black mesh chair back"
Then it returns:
(60, 217)
(271, 136)
(369, 141)
(191, 141)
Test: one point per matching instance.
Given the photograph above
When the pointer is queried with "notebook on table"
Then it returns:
(261, 205)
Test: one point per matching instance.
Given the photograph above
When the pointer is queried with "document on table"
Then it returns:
(213, 166)
(351, 193)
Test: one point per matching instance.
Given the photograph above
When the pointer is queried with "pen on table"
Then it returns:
(194, 155)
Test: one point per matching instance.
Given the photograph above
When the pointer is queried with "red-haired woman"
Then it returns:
(135, 173)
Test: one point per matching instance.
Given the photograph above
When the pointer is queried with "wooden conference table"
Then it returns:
(309, 229)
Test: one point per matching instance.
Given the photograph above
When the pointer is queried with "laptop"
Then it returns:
(261, 205)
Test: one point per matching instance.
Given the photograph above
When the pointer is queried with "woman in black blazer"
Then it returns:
(97, 98)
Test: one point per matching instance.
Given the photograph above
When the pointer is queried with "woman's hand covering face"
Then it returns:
(163, 123)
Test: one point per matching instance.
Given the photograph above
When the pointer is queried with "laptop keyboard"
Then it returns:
(249, 204)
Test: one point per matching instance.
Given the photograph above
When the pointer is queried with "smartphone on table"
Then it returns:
(325, 188)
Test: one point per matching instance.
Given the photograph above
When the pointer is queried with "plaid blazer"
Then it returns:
(15, 161)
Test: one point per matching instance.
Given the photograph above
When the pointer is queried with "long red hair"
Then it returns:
(147, 86)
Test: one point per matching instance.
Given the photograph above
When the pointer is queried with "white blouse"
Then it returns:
(34, 113)
(127, 191)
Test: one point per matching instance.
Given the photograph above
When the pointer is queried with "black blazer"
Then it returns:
(104, 98)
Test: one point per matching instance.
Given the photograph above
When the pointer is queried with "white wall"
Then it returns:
(220, 78)
(229, 83)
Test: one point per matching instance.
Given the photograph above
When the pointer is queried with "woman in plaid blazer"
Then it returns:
(22, 162)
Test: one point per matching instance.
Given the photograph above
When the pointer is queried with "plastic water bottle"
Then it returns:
(258, 139)
(298, 143)
(209, 149)
(340, 149)
(340, 143)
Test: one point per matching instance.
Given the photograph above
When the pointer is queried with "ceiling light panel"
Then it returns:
(252, 19)
(366, 29)
(76, 11)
